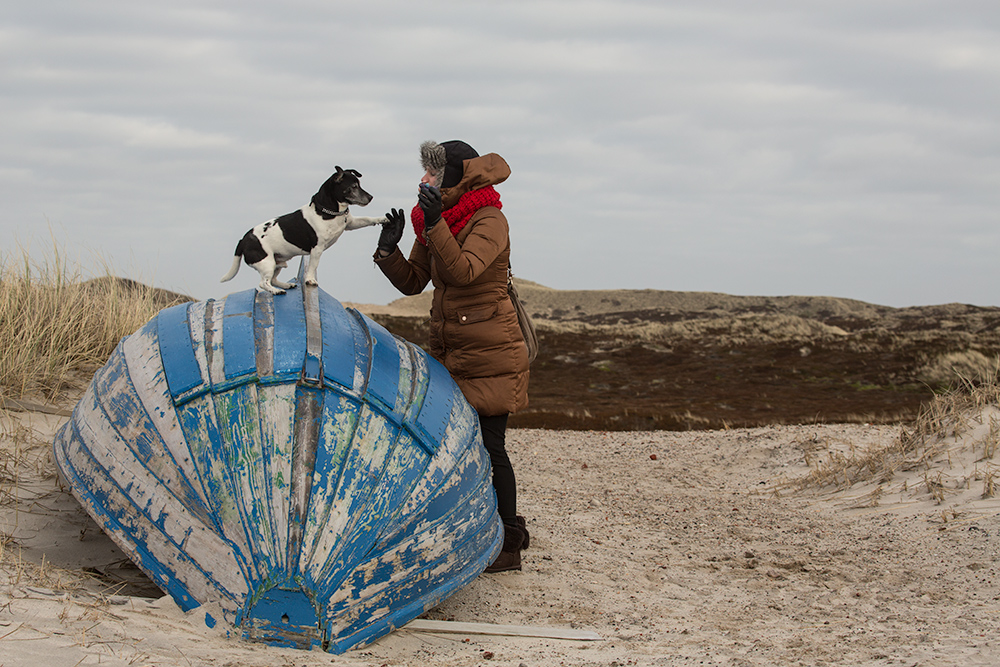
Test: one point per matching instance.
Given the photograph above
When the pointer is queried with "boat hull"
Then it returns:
(286, 464)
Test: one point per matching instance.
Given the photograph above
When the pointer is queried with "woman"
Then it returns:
(463, 248)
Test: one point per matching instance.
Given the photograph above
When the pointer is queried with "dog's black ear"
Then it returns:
(339, 175)
(354, 172)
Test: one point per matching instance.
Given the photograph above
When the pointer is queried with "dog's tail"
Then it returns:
(236, 264)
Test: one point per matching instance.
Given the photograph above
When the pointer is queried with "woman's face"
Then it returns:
(430, 179)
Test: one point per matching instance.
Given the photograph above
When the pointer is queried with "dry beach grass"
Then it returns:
(780, 544)
(55, 325)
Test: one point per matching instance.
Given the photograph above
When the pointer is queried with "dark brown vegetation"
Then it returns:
(648, 360)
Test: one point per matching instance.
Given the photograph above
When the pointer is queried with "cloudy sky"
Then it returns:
(845, 148)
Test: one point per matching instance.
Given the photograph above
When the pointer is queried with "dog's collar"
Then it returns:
(331, 214)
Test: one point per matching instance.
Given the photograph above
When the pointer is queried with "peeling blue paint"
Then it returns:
(321, 480)
(238, 334)
(177, 350)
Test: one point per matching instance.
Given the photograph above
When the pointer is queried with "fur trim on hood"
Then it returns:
(433, 159)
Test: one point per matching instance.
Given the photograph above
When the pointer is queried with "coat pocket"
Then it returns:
(477, 314)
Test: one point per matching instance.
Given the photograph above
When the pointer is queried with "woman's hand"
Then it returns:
(429, 200)
(392, 232)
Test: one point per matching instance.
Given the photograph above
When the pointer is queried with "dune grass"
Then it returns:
(968, 403)
(57, 326)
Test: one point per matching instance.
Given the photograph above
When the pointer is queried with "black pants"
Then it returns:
(495, 440)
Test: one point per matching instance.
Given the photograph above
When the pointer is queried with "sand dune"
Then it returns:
(690, 548)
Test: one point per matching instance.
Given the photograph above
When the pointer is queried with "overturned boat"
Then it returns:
(285, 463)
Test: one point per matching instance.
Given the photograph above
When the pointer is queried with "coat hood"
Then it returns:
(479, 172)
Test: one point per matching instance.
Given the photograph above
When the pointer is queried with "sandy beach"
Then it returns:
(676, 548)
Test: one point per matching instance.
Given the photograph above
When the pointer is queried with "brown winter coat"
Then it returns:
(474, 329)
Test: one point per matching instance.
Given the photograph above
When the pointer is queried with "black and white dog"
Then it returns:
(307, 231)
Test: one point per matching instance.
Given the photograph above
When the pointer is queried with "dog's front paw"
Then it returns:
(312, 283)
(268, 287)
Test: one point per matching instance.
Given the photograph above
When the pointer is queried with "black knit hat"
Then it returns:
(456, 153)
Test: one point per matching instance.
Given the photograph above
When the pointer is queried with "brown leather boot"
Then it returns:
(510, 553)
(522, 524)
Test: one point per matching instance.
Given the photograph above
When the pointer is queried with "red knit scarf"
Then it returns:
(458, 215)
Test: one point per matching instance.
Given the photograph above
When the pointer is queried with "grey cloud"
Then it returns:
(773, 147)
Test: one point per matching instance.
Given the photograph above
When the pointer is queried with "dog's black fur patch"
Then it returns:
(297, 231)
(342, 186)
(251, 249)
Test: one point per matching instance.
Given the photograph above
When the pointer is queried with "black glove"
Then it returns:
(429, 200)
(392, 231)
